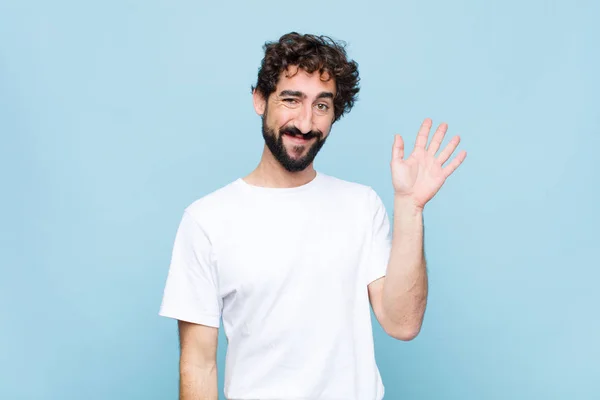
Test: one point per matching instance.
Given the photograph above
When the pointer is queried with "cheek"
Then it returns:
(280, 119)
(324, 127)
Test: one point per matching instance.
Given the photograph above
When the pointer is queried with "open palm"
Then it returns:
(420, 176)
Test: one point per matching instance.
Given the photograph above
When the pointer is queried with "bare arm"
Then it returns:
(198, 362)
(399, 299)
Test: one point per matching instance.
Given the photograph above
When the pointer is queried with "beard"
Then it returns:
(275, 144)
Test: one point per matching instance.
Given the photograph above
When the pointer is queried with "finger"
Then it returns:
(448, 150)
(437, 139)
(451, 167)
(398, 147)
(421, 141)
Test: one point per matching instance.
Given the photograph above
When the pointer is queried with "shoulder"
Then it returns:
(339, 184)
(215, 203)
(363, 193)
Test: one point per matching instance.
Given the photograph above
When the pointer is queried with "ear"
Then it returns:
(259, 101)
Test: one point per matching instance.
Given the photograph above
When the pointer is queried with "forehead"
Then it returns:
(311, 84)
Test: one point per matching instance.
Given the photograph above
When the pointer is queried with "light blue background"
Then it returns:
(115, 115)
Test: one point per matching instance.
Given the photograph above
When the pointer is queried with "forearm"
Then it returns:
(198, 382)
(405, 285)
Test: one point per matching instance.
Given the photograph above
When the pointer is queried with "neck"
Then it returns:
(270, 173)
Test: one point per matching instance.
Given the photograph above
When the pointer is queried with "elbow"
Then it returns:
(406, 332)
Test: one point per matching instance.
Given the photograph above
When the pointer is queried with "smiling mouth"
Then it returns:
(298, 137)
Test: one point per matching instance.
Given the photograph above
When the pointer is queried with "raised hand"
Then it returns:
(420, 176)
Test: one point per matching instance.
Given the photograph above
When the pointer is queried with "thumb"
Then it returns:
(398, 148)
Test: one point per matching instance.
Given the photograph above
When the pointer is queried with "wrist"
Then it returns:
(405, 205)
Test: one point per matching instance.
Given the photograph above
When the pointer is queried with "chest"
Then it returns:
(303, 251)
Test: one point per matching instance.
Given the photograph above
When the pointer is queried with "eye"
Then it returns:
(322, 107)
(290, 100)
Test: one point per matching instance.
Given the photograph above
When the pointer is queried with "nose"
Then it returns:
(304, 119)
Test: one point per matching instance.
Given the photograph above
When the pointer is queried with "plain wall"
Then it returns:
(115, 115)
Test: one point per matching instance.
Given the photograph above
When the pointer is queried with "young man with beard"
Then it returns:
(292, 259)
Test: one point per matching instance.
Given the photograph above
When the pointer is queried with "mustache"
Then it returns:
(292, 130)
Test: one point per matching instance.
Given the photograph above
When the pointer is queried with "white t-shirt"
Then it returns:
(287, 270)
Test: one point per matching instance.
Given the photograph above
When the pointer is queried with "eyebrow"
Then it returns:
(296, 93)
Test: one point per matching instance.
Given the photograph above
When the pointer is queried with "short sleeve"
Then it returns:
(381, 238)
(191, 292)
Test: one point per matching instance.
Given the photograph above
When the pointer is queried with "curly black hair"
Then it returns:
(311, 53)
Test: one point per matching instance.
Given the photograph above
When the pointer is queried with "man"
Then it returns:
(291, 258)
